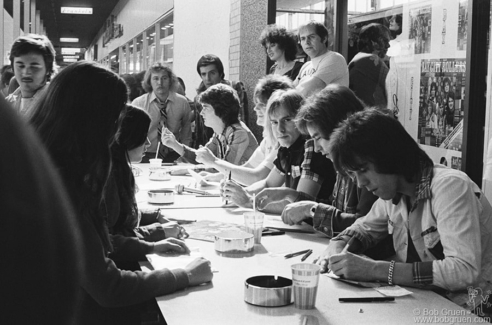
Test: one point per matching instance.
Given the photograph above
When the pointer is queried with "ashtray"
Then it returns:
(162, 196)
(268, 291)
(234, 241)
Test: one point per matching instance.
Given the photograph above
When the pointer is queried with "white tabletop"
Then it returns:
(222, 300)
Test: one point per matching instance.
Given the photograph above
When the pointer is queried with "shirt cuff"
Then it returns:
(323, 219)
(304, 197)
(422, 273)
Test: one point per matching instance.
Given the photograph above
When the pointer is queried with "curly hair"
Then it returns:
(224, 100)
(284, 39)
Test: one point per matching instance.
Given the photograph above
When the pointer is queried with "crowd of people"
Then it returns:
(331, 155)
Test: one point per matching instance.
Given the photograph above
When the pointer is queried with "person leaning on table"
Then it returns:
(232, 141)
(440, 221)
(318, 117)
(298, 173)
(77, 120)
(260, 163)
(131, 229)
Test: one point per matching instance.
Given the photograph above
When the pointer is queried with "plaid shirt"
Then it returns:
(300, 161)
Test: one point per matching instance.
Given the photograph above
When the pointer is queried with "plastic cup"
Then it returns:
(155, 162)
(254, 224)
(305, 278)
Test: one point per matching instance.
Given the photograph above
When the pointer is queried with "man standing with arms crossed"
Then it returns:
(325, 67)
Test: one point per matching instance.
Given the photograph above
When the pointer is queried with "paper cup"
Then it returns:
(155, 162)
(254, 224)
(305, 279)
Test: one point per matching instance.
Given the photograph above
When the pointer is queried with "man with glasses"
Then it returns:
(326, 67)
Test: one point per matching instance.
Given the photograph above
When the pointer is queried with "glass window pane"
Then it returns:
(166, 42)
(425, 84)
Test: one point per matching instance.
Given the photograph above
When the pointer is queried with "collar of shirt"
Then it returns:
(423, 187)
(171, 97)
(285, 154)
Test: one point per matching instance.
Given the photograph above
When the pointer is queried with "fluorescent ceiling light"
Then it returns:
(76, 10)
(69, 50)
(69, 60)
(69, 39)
(70, 57)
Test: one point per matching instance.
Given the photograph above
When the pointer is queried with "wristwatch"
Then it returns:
(313, 210)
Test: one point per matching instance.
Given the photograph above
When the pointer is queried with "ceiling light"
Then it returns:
(70, 50)
(70, 57)
(69, 60)
(69, 39)
(76, 10)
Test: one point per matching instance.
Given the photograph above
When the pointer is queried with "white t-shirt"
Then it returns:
(264, 155)
(330, 67)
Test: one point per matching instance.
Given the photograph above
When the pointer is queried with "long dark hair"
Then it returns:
(373, 136)
(327, 108)
(76, 120)
(132, 133)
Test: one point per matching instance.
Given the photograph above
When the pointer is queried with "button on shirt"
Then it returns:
(178, 117)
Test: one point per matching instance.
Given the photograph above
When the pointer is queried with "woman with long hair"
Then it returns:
(77, 120)
(130, 145)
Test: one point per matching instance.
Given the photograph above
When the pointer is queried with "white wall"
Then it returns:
(135, 16)
(8, 36)
(200, 27)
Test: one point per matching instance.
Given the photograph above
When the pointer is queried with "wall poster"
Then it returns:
(442, 93)
(462, 24)
(420, 28)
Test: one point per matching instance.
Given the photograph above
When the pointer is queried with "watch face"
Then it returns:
(313, 210)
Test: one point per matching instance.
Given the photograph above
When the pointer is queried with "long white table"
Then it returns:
(222, 300)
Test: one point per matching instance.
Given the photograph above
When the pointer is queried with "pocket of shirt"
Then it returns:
(432, 242)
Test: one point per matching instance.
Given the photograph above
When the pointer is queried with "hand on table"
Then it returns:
(232, 191)
(295, 213)
(334, 247)
(205, 156)
(275, 194)
(351, 266)
(173, 230)
(211, 177)
(199, 271)
(170, 244)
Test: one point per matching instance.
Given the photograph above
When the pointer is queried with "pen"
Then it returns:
(306, 255)
(346, 248)
(366, 299)
(228, 178)
(297, 253)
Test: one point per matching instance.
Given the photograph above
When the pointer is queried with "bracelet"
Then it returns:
(390, 273)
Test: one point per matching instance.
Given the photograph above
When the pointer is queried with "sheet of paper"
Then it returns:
(172, 261)
(393, 291)
(357, 283)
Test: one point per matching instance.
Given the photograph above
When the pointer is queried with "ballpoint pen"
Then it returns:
(228, 178)
(306, 255)
(366, 299)
(297, 253)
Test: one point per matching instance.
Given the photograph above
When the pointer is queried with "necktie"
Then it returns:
(163, 110)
